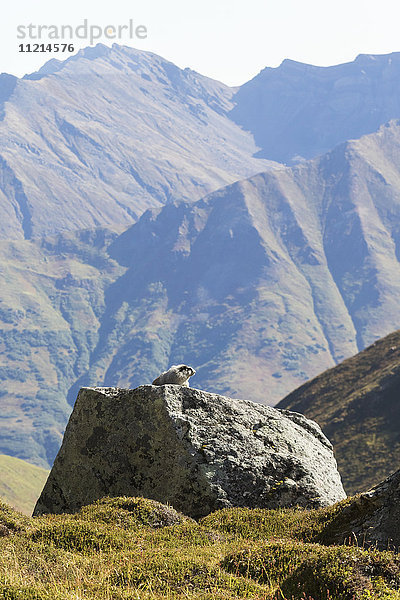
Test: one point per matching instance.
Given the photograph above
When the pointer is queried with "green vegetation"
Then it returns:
(310, 570)
(356, 404)
(133, 548)
(20, 483)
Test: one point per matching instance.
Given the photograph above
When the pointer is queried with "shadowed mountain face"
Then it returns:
(357, 405)
(297, 111)
(259, 286)
(99, 138)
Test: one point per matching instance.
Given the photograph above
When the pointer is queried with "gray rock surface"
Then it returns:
(371, 518)
(195, 450)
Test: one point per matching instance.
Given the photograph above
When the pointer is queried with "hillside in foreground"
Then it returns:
(125, 548)
(357, 406)
(20, 483)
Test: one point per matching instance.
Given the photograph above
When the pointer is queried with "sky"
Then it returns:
(229, 40)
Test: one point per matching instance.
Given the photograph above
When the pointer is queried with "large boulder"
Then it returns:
(192, 449)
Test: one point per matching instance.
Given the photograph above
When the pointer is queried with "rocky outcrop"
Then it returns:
(192, 449)
(370, 519)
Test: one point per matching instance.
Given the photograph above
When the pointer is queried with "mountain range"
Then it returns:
(115, 262)
(265, 282)
(297, 111)
(260, 286)
(97, 139)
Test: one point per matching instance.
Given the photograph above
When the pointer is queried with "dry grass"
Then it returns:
(132, 548)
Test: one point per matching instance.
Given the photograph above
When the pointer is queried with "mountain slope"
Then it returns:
(51, 302)
(20, 483)
(357, 405)
(99, 138)
(264, 283)
(299, 111)
(258, 286)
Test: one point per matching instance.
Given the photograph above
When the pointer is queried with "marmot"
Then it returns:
(176, 375)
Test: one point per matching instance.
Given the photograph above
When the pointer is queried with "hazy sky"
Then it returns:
(230, 40)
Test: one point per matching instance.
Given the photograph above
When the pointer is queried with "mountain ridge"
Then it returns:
(263, 228)
(259, 285)
(297, 111)
(147, 132)
(150, 132)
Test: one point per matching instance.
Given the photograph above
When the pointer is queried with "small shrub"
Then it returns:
(132, 512)
(78, 536)
(12, 519)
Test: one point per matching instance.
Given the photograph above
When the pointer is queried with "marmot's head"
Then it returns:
(185, 371)
(182, 373)
(188, 371)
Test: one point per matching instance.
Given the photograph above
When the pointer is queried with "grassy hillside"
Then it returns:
(20, 483)
(357, 405)
(131, 548)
